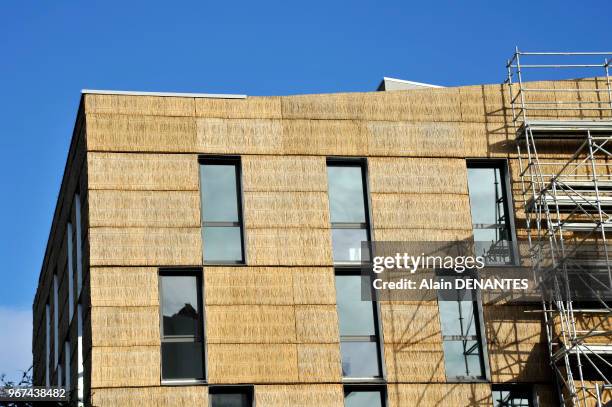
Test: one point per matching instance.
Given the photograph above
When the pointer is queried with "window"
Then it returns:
(70, 265)
(80, 368)
(491, 223)
(222, 229)
(48, 345)
(55, 321)
(364, 396)
(67, 364)
(461, 334)
(181, 325)
(359, 344)
(348, 209)
(512, 395)
(231, 396)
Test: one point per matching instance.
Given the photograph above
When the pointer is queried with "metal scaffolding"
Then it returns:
(564, 141)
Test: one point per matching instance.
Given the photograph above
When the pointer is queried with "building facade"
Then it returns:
(202, 252)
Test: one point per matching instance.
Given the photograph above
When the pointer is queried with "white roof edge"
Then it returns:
(167, 94)
(429, 85)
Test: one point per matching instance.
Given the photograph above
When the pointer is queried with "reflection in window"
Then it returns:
(512, 396)
(182, 326)
(364, 396)
(348, 209)
(231, 396)
(463, 349)
(359, 344)
(489, 206)
(222, 229)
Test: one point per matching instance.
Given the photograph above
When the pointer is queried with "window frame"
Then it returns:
(520, 387)
(232, 389)
(378, 336)
(361, 163)
(480, 338)
(184, 272)
(506, 185)
(235, 161)
(346, 388)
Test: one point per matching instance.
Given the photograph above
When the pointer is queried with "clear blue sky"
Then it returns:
(50, 50)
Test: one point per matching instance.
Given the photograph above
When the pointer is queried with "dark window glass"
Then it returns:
(463, 345)
(489, 206)
(346, 197)
(182, 341)
(219, 193)
(512, 396)
(359, 339)
(364, 397)
(231, 396)
(182, 360)
(180, 305)
(222, 228)
(359, 359)
(348, 210)
(222, 243)
(356, 317)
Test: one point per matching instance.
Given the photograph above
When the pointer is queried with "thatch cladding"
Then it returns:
(124, 287)
(316, 324)
(139, 105)
(167, 396)
(471, 102)
(144, 208)
(140, 133)
(426, 211)
(325, 137)
(269, 286)
(133, 366)
(149, 172)
(417, 175)
(286, 209)
(310, 395)
(250, 324)
(519, 362)
(294, 174)
(431, 139)
(443, 394)
(125, 326)
(424, 235)
(417, 362)
(586, 323)
(408, 324)
(239, 136)
(319, 363)
(509, 324)
(252, 363)
(249, 108)
(145, 246)
(289, 247)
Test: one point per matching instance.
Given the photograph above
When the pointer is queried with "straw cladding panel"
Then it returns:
(145, 246)
(112, 132)
(249, 108)
(325, 137)
(311, 395)
(519, 362)
(506, 325)
(319, 363)
(125, 326)
(286, 209)
(250, 324)
(417, 175)
(239, 136)
(421, 235)
(412, 323)
(278, 173)
(451, 394)
(139, 105)
(125, 366)
(415, 362)
(252, 363)
(149, 172)
(289, 247)
(317, 324)
(144, 208)
(168, 396)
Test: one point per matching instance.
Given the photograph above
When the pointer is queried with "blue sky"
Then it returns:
(49, 51)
